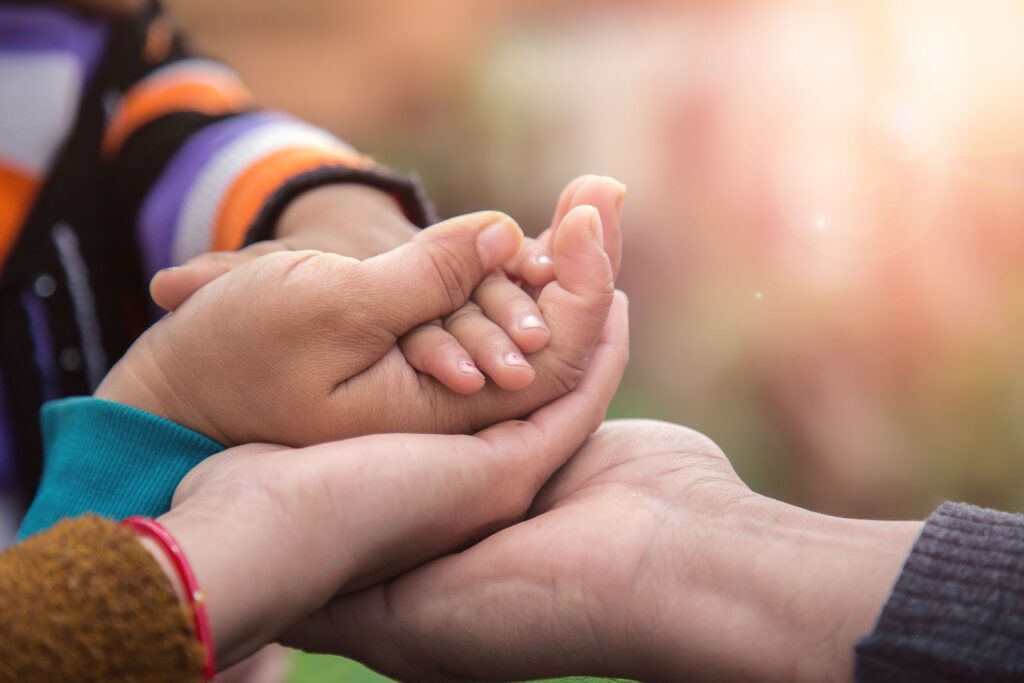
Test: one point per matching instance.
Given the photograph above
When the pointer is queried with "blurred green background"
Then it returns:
(823, 230)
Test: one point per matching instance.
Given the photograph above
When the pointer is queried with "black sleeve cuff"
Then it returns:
(956, 612)
(405, 189)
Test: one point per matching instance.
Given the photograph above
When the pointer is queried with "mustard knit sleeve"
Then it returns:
(85, 601)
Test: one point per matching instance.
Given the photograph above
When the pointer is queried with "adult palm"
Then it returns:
(547, 596)
(644, 557)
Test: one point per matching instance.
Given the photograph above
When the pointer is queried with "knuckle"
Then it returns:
(443, 345)
(448, 277)
(566, 371)
(468, 312)
(494, 337)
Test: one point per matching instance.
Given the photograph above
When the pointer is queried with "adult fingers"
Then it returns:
(565, 200)
(533, 264)
(607, 196)
(559, 428)
(436, 272)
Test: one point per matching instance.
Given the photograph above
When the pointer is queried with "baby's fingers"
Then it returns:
(491, 348)
(435, 352)
(532, 264)
(515, 311)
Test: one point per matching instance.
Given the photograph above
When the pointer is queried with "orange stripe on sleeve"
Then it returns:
(206, 92)
(17, 192)
(251, 189)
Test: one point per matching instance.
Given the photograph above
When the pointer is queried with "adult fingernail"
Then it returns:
(594, 225)
(498, 243)
(532, 322)
(469, 368)
(620, 197)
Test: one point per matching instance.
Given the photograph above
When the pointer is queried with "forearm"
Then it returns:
(955, 611)
(784, 596)
(110, 459)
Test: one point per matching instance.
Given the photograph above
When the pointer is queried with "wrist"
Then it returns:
(139, 381)
(784, 593)
(160, 556)
(247, 570)
(347, 218)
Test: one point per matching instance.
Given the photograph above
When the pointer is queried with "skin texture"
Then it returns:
(643, 557)
(300, 347)
(252, 519)
(489, 337)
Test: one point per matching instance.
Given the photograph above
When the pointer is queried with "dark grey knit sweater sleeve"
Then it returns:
(956, 612)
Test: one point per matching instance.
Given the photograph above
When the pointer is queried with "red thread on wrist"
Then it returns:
(196, 599)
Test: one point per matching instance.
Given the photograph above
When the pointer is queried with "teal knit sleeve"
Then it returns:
(110, 459)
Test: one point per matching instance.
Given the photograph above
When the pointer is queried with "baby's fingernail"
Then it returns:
(469, 368)
(542, 260)
(498, 243)
(515, 359)
(532, 322)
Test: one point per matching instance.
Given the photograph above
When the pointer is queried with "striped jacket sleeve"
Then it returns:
(46, 54)
(195, 166)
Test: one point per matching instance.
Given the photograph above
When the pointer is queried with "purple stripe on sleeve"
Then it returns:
(42, 343)
(28, 30)
(8, 473)
(158, 216)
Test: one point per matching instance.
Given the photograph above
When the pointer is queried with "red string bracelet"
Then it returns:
(197, 601)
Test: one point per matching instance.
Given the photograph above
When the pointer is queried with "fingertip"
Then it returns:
(618, 316)
(499, 242)
(459, 380)
(170, 287)
(582, 220)
(579, 253)
(567, 197)
(459, 373)
(515, 374)
(531, 339)
(621, 300)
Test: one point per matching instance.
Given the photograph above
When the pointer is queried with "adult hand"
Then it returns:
(491, 333)
(644, 557)
(299, 347)
(274, 533)
(501, 321)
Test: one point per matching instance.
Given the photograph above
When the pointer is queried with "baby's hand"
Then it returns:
(501, 324)
(491, 334)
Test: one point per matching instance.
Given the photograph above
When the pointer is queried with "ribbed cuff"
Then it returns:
(956, 612)
(111, 460)
(406, 190)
